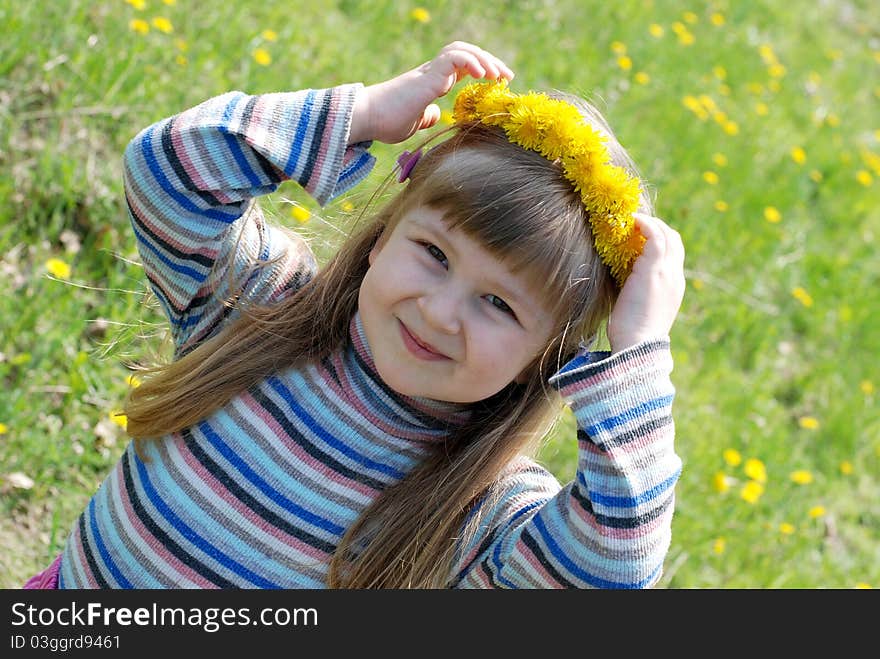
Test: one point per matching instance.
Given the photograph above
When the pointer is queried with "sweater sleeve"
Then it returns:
(188, 179)
(611, 526)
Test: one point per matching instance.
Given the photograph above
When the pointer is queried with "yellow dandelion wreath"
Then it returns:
(557, 131)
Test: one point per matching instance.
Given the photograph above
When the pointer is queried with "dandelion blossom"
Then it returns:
(751, 492)
(163, 25)
(867, 387)
(846, 468)
(720, 482)
(139, 25)
(816, 511)
(624, 62)
(801, 477)
(262, 57)
(864, 177)
(755, 470)
(3, 429)
(719, 545)
(58, 268)
(772, 215)
(269, 35)
(655, 30)
(710, 177)
(721, 206)
(717, 19)
(798, 155)
(801, 295)
(300, 214)
(420, 15)
(786, 529)
(119, 419)
(732, 457)
(808, 423)
(642, 78)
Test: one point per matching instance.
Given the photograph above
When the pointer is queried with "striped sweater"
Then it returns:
(259, 494)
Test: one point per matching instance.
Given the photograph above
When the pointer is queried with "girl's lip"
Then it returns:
(417, 347)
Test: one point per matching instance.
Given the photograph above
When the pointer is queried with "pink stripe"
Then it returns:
(318, 173)
(81, 558)
(528, 555)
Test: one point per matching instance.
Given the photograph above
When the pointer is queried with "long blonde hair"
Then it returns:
(518, 206)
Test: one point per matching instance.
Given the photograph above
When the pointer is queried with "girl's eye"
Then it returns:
(500, 304)
(437, 253)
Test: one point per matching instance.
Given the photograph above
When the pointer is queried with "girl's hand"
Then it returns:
(651, 296)
(393, 110)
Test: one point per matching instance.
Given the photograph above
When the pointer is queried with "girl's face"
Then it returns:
(444, 318)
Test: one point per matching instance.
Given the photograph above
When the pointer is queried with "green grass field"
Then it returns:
(757, 123)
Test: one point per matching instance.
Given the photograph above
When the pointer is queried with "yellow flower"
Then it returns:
(347, 206)
(816, 512)
(618, 47)
(139, 25)
(751, 492)
(182, 45)
(655, 30)
(697, 284)
(689, 17)
(58, 268)
(867, 387)
(731, 127)
(269, 35)
(776, 70)
(732, 457)
(721, 482)
(717, 19)
(719, 159)
(137, 4)
(773, 85)
(133, 381)
(446, 117)
(719, 72)
(832, 119)
(816, 175)
(3, 429)
(710, 177)
(864, 177)
(299, 213)
(802, 296)
(163, 25)
(801, 477)
(808, 423)
(719, 545)
(685, 38)
(181, 60)
(766, 53)
(786, 529)
(846, 468)
(420, 14)
(761, 109)
(624, 62)
(169, 2)
(119, 419)
(755, 470)
(861, 585)
(798, 155)
(262, 57)
(721, 206)
(642, 78)
(771, 214)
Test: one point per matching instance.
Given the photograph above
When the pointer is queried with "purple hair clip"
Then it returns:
(407, 160)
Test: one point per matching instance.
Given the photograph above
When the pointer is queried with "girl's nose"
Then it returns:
(441, 308)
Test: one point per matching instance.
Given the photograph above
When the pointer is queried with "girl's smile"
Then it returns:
(445, 318)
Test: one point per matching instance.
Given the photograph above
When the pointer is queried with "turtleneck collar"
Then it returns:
(407, 417)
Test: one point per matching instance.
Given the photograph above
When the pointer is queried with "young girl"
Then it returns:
(369, 425)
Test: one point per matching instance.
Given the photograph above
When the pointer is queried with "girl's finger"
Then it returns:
(650, 228)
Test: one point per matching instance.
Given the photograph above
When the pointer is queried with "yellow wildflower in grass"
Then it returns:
(776, 70)
(833, 54)
(693, 104)
(618, 47)
(755, 88)
(864, 177)
(724, 90)
(761, 109)
(686, 38)
(798, 155)
(719, 159)
(119, 419)
(751, 492)
(347, 206)
(719, 545)
(846, 468)
(642, 78)
(710, 177)
(139, 25)
(772, 215)
(262, 57)
(697, 284)
(773, 86)
(58, 268)
(625, 63)
(181, 60)
(732, 457)
(755, 470)
(269, 35)
(731, 127)
(766, 52)
(861, 585)
(719, 72)
(808, 423)
(163, 24)
(786, 529)
(137, 4)
(816, 176)
(802, 296)
(656, 30)
(867, 387)
(722, 206)
(678, 27)
(3, 429)
(801, 477)
(169, 2)
(689, 17)
(132, 381)
(721, 482)
(181, 45)
(832, 120)
(420, 15)
(816, 512)
(300, 214)
(717, 19)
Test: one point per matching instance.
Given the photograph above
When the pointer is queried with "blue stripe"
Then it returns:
(629, 415)
(182, 269)
(264, 487)
(234, 146)
(301, 129)
(276, 385)
(496, 553)
(632, 502)
(102, 549)
(194, 537)
(581, 574)
(355, 167)
(165, 184)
